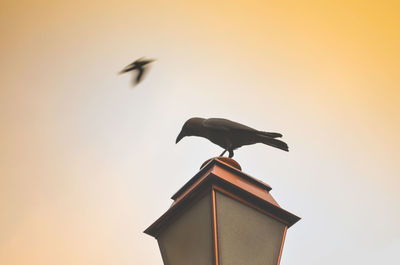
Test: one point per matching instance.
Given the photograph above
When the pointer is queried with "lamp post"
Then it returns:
(222, 216)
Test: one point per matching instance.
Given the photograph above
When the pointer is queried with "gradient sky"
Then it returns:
(87, 162)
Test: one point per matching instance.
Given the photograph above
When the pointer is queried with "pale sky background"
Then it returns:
(87, 162)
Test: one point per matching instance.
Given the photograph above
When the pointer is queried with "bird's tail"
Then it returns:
(274, 142)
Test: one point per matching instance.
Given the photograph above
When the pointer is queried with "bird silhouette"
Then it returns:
(228, 134)
(140, 65)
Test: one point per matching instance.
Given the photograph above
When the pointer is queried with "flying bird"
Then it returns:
(141, 65)
(228, 134)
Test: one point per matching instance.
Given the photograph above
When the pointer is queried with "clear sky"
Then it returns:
(87, 162)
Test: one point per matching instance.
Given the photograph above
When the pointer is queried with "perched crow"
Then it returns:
(140, 65)
(228, 134)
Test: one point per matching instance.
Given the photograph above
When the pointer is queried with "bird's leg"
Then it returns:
(230, 153)
(223, 152)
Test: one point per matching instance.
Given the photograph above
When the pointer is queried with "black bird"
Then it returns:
(140, 65)
(228, 134)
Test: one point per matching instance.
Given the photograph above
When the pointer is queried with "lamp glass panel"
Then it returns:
(188, 239)
(245, 235)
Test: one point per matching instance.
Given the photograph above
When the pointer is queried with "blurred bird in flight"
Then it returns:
(228, 134)
(140, 65)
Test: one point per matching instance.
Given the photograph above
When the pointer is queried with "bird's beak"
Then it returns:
(180, 136)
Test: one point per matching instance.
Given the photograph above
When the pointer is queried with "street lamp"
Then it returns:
(222, 216)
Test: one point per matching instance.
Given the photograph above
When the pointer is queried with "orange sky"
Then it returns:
(79, 145)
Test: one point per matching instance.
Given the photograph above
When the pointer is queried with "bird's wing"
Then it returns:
(144, 62)
(270, 134)
(227, 125)
(128, 68)
(136, 64)
(132, 66)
